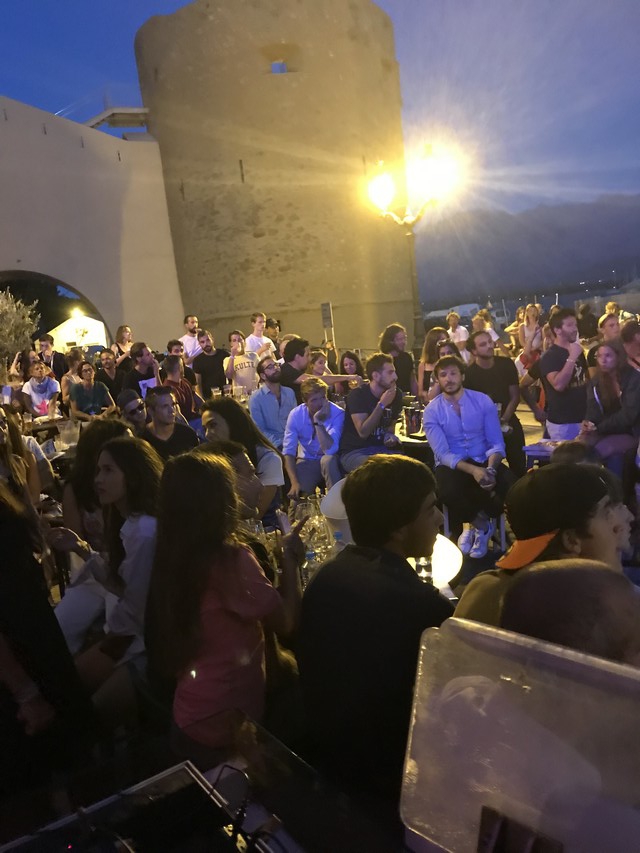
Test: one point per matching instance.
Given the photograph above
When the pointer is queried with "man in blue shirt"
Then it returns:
(463, 429)
(311, 440)
(271, 404)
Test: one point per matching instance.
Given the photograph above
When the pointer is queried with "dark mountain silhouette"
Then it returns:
(472, 254)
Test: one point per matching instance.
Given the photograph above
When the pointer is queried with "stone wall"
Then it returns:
(266, 172)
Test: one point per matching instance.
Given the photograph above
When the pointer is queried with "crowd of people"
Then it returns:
(185, 459)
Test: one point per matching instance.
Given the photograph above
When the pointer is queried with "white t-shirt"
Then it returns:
(191, 346)
(269, 467)
(41, 393)
(254, 342)
(244, 370)
(459, 336)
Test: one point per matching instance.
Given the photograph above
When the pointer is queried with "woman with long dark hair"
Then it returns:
(126, 483)
(428, 359)
(350, 365)
(612, 423)
(13, 468)
(224, 418)
(84, 601)
(43, 712)
(204, 625)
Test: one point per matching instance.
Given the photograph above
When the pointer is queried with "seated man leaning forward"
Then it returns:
(362, 617)
(463, 429)
(558, 511)
(311, 440)
(372, 412)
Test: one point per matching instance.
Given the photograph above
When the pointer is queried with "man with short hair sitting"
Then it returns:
(164, 433)
(497, 377)
(363, 614)
(311, 440)
(371, 414)
(272, 403)
(464, 432)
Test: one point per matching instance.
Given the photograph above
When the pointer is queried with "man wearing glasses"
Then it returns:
(133, 410)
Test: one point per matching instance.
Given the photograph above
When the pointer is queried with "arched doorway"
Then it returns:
(61, 308)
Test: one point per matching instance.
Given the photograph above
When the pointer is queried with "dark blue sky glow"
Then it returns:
(544, 94)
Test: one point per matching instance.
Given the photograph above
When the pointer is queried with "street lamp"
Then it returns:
(429, 180)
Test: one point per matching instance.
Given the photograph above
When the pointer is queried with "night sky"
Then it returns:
(544, 95)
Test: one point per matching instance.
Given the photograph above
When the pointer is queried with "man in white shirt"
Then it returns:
(458, 334)
(311, 440)
(258, 342)
(190, 339)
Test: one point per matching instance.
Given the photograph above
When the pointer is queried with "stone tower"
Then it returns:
(269, 115)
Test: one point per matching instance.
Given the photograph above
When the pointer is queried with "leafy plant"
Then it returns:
(18, 323)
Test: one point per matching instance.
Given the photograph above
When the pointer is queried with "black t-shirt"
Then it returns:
(211, 369)
(363, 401)
(426, 379)
(493, 381)
(140, 382)
(114, 385)
(568, 406)
(362, 617)
(288, 376)
(403, 363)
(182, 440)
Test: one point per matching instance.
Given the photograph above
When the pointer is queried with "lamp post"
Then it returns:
(430, 179)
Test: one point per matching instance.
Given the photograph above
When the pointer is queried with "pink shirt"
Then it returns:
(229, 671)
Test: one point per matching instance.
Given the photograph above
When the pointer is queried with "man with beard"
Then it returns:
(145, 373)
(372, 412)
(497, 377)
(109, 374)
(464, 432)
(209, 365)
(564, 372)
(270, 405)
(190, 340)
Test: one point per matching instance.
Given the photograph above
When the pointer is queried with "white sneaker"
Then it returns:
(481, 542)
(466, 540)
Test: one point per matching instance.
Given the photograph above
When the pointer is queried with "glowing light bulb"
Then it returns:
(382, 190)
